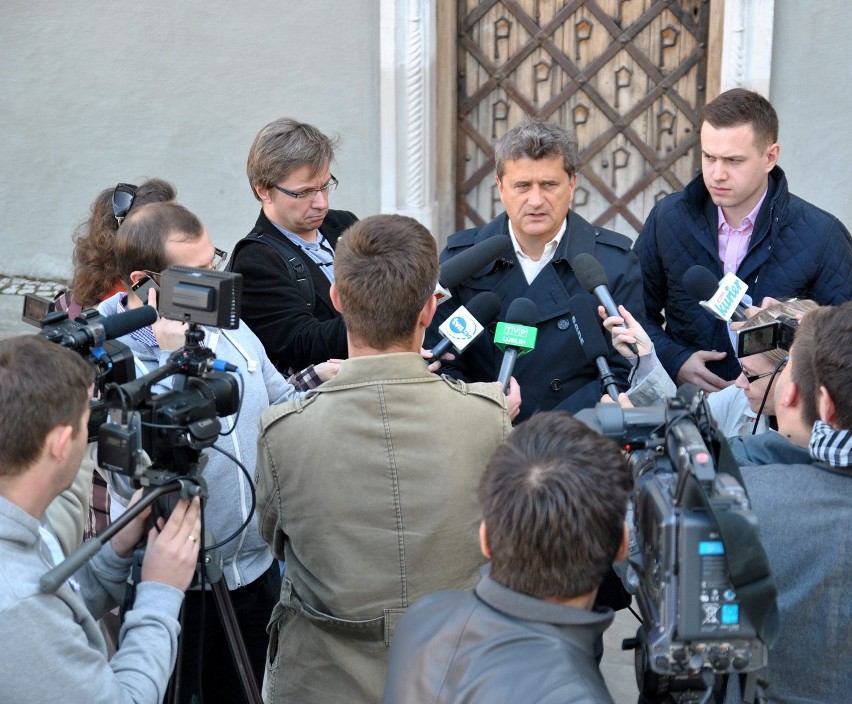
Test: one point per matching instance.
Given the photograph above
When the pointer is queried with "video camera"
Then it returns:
(777, 334)
(153, 437)
(697, 626)
(93, 336)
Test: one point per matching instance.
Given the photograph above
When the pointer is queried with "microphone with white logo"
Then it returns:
(516, 336)
(465, 264)
(722, 299)
(467, 323)
(586, 324)
(592, 277)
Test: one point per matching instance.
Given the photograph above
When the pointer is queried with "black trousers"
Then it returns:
(253, 606)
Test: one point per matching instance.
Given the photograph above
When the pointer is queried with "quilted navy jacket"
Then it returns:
(796, 250)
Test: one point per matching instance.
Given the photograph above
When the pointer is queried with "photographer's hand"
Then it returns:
(127, 538)
(170, 334)
(171, 553)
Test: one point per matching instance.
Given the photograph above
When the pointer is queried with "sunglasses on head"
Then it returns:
(122, 200)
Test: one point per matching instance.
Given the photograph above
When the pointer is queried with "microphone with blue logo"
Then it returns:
(725, 299)
(516, 336)
(467, 323)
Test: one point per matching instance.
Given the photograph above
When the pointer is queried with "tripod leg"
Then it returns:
(235, 641)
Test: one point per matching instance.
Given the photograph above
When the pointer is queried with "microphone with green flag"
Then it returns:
(516, 336)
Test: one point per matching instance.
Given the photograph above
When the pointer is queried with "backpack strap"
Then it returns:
(290, 256)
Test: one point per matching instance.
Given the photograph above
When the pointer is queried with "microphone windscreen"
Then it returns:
(125, 323)
(589, 272)
(700, 283)
(484, 307)
(467, 263)
(522, 311)
(588, 327)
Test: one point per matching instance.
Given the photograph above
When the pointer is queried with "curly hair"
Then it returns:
(95, 271)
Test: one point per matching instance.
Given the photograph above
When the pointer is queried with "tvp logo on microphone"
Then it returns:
(461, 328)
(727, 297)
(515, 335)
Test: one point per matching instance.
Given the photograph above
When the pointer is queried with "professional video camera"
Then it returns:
(701, 576)
(154, 437)
(93, 336)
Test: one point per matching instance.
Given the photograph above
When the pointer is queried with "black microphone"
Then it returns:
(112, 326)
(702, 285)
(467, 323)
(516, 336)
(592, 277)
(465, 264)
(587, 326)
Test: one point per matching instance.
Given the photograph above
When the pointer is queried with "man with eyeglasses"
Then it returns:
(152, 238)
(287, 260)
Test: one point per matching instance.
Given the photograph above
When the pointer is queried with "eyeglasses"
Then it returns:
(220, 256)
(311, 193)
(751, 378)
(122, 200)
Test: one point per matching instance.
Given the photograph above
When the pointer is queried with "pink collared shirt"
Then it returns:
(734, 241)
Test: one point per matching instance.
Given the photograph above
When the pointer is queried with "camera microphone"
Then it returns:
(592, 277)
(94, 334)
(723, 299)
(467, 263)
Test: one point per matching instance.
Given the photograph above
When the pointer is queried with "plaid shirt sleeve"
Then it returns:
(305, 380)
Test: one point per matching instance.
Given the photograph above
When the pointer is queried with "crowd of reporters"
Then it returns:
(381, 482)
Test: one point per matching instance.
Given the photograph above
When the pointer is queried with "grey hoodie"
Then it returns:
(53, 650)
(247, 556)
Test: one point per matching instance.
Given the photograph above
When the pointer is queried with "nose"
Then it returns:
(320, 200)
(719, 172)
(741, 382)
(535, 196)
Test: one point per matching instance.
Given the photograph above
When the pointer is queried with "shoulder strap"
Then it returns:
(293, 262)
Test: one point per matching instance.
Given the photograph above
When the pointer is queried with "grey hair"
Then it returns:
(283, 146)
(536, 139)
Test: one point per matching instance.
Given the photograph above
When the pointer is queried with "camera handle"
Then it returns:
(53, 579)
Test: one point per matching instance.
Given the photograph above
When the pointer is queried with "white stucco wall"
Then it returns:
(810, 89)
(95, 92)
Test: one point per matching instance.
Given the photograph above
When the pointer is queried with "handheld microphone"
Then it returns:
(96, 333)
(465, 264)
(467, 323)
(592, 277)
(722, 299)
(516, 336)
(586, 324)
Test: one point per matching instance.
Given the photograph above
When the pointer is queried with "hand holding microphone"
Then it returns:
(592, 277)
(467, 323)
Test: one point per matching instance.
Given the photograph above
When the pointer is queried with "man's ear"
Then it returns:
(825, 406)
(483, 541)
(500, 189)
(263, 193)
(772, 154)
(335, 298)
(58, 442)
(625, 544)
(789, 395)
(136, 277)
(428, 311)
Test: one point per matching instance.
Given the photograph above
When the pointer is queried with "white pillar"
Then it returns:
(747, 45)
(407, 109)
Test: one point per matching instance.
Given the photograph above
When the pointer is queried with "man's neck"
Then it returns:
(584, 601)
(358, 348)
(19, 491)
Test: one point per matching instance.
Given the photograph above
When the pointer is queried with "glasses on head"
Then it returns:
(311, 193)
(122, 200)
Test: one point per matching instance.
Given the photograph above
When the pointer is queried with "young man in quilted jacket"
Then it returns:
(739, 217)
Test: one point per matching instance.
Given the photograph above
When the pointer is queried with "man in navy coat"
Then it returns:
(537, 164)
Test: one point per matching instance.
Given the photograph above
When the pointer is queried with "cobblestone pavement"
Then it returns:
(16, 285)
